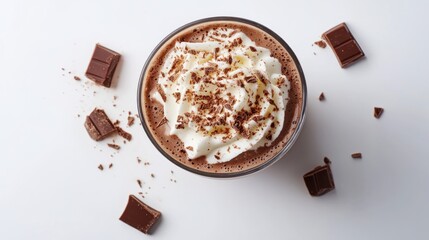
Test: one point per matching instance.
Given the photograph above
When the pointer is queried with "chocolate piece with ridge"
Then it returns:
(99, 125)
(378, 111)
(320, 180)
(344, 45)
(139, 215)
(102, 65)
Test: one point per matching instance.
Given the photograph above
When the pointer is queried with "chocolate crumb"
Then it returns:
(378, 111)
(326, 160)
(322, 97)
(100, 167)
(320, 44)
(116, 123)
(76, 78)
(123, 134)
(62, 69)
(253, 49)
(111, 165)
(152, 175)
(139, 182)
(171, 171)
(190, 148)
(139, 160)
(356, 155)
(114, 146)
(130, 121)
(115, 97)
(78, 115)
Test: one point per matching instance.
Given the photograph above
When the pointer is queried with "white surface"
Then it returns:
(50, 187)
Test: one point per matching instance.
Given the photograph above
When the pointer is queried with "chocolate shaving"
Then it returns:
(378, 111)
(123, 133)
(252, 48)
(76, 78)
(322, 97)
(100, 167)
(320, 44)
(114, 146)
(176, 95)
(130, 121)
(139, 182)
(356, 155)
(110, 165)
(190, 148)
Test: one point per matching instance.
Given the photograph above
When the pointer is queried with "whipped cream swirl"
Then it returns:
(222, 96)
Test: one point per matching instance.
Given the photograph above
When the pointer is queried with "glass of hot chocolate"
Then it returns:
(222, 97)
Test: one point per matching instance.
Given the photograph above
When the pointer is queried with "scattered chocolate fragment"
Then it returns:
(139, 215)
(76, 78)
(114, 146)
(320, 44)
(139, 182)
(152, 175)
(320, 181)
(110, 165)
(98, 125)
(100, 167)
(356, 155)
(123, 134)
(378, 111)
(344, 45)
(102, 65)
(130, 121)
(139, 160)
(322, 97)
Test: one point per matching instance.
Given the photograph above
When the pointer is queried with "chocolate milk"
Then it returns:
(246, 161)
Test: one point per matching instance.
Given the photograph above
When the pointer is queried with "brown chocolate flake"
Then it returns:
(76, 78)
(229, 59)
(176, 95)
(139, 160)
(100, 167)
(124, 134)
(190, 148)
(378, 111)
(356, 155)
(152, 175)
(139, 182)
(320, 44)
(130, 121)
(322, 97)
(252, 48)
(114, 146)
(110, 165)
(250, 79)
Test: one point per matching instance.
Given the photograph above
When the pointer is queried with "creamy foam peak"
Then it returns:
(222, 96)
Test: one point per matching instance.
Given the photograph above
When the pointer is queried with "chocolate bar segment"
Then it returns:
(99, 125)
(139, 215)
(320, 180)
(345, 46)
(102, 65)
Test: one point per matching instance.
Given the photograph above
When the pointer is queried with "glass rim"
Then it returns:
(259, 167)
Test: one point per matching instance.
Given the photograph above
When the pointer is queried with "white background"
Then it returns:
(51, 188)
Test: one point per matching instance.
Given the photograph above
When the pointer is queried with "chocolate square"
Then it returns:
(139, 215)
(99, 125)
(102, 65)
(319, 181)
(344, 45)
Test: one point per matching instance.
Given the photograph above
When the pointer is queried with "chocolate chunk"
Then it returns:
(319, 181)
(124, 134)
(322, 97)
(98, 125)
(356, 155)
(320, 44)
(102, 65)
(139, 215)
(100, 167)
(378, 111)
(345, 46)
